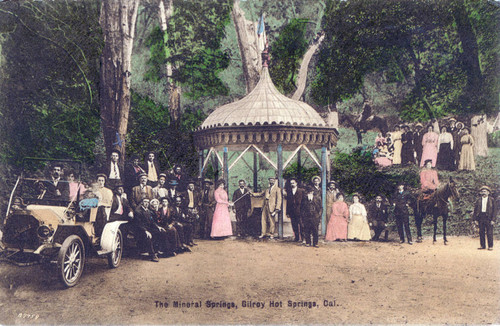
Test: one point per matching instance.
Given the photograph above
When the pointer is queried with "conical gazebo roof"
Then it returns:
(264, 105)
(265, 117)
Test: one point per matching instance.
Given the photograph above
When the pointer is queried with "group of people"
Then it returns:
(451, 149)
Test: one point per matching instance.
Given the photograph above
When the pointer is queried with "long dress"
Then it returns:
(358, 227)
(467, 155)
(337, 225)
(221, 223)
(429, 148)
(446, 157)
(396, 139)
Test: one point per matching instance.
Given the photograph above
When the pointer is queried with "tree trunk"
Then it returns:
(117, 20)
(479, 131)
(166, 8)
(304, 66)
(247, 42)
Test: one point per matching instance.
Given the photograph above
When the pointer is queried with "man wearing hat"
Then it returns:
(294, 198)
(455, 133)
(151, 169)
(145, 229)
(172, 191)
(113, 171)
(418, 135)
(310, 212)
(207, 209)
(160, 191)
(272, 205)
(120, 208)
(485, 215)
(182, 180)
(377, 216)
(401, 201)
(242, 206)
(141, 191)
(131, 175)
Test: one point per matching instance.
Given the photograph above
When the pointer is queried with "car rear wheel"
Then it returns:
(115, 257)
(71, 260)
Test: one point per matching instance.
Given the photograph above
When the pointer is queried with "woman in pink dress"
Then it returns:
(221, 224)
(75, 187)
(430, 143)
(337, 226)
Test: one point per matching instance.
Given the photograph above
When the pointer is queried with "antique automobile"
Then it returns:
(44, 225)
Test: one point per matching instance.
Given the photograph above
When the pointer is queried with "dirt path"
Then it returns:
(363, 282)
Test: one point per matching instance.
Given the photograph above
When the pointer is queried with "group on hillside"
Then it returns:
(450, 148)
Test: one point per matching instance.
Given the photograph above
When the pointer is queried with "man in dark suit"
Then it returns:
(145, 229)
(179, 215)
(310, 212)
(294, 197)
(377, 215)
(401, 200)
(485, 215)
(418, 135)
(242, 206)
(131, 174)
(180, 177)
(140, 191)
(207, 208)
(191, 201)
(120, 208)
(151, 168)
(55, 188)
(113, 171)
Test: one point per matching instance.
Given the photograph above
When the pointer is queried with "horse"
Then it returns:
(436, 205)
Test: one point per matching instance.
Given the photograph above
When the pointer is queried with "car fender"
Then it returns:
(108, 236)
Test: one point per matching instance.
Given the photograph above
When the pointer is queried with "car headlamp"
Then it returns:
(44, 231)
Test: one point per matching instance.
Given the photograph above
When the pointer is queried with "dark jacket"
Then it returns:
(196, 198)
(51, 190)
(243, 205)
(126, 209)
(294, 202)
(144, 220)
(400, 202)
(107, 170)
(491, 210)
(310, 210)
(130, 176)
(178, 215)
(378, 213)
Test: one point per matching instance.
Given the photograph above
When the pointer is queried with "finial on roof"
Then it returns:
(265, 57)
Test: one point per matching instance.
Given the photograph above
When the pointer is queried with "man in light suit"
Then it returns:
(143, 190)
(485, 215)
(272, 205)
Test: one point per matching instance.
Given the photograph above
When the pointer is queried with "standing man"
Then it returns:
(456, 142)
(310, 212)
(272, 205)
(131, 175)
(192, 203)
(113, 171)
(401, 200)
(242, 206)
(207, 209)
(485, 215)
(331, 196)
(316, 181)
(143, 190)
(172, 191)
(377, 215)
(294, 198)
(180, 177)
(418, 135)
(151, 167)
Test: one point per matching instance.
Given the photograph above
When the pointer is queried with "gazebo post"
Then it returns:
(200, 162)
(280, 184)
(323, 189)
(226, 169)
(299, 165)
(255, 180)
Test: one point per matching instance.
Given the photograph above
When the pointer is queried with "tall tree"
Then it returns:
(118, 19)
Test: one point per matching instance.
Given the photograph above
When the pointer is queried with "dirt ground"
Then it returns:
(360, 283)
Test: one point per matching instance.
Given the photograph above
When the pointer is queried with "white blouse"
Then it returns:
(357, 209)
(446, 137)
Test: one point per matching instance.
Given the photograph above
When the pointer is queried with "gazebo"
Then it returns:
(265, 121)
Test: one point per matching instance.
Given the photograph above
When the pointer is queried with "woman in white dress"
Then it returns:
(358, 228)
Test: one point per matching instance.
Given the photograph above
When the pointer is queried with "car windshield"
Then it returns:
(52, 182)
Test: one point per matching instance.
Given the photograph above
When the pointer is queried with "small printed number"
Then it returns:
(28, 316)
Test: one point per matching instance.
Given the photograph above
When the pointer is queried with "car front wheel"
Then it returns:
(71, 260)
(115, 257)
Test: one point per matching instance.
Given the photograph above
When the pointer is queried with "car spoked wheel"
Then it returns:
(71, 260)
(115, 257)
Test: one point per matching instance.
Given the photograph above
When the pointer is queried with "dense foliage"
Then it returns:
(49, 77)
(448, 49)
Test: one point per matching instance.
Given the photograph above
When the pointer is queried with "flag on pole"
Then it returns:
(261, 34)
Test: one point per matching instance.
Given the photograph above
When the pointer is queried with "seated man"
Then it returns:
(377, 215)
(145, 229)
(429, 178)
(179, 215)
(54, 188)
(120, 208)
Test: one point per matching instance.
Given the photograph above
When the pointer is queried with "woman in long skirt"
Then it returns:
(337, 225)
(221, 223)
(358, 228)
(445, 157)
(398, 145)
(429, 147)
(467, 154)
